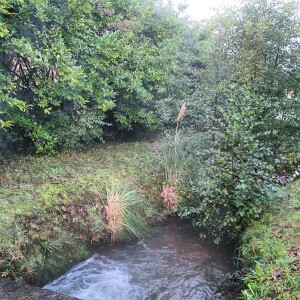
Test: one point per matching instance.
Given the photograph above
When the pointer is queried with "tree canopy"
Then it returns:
(73, 71)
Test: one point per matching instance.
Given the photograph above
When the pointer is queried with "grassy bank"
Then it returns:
(53, 209)
(271, 250)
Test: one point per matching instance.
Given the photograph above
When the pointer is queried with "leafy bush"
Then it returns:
(288, 163)
(64, 79)
(234, 180)
(77, 131)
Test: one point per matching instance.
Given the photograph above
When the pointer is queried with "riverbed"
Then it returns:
(173, 263)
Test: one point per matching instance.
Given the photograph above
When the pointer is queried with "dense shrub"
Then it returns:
(231, 181)
(70, 68)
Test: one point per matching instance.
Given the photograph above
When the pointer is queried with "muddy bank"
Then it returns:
(10, 289)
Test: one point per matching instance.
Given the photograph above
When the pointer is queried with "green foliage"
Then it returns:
(81, 65)
(78, 131)
(288, 163)
(243, 101)
(70, 69)
(234, 182)
(8, 102)
(257, 45)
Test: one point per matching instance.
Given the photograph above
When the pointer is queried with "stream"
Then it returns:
(171, 264)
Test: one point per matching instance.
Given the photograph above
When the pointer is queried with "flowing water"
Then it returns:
(171, 264)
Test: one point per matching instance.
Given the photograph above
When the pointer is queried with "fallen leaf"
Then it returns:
(276, 231)
(3, 274)
(294, 251)
(277, 272)
(288, 235)
(295, 265)
(291, 225)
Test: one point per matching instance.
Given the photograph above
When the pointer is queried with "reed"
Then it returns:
(174, 162)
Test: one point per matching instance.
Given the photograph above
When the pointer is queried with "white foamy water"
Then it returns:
(172, 264)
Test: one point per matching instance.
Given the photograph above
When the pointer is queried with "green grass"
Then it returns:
(271, 251)
(52, 208)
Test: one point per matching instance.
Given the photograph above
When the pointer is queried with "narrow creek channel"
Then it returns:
(171, 264)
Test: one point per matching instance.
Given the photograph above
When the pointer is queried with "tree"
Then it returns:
(250, 55)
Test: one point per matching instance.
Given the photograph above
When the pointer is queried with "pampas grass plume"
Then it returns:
(181, 112)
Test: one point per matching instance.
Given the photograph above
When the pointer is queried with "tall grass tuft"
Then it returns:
(124, 212)
(174, 161)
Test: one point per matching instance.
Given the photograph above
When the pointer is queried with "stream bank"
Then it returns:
(270, 251)
(47, 224)
(54, 209)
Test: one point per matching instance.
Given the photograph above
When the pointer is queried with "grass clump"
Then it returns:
(271, 251)
(124, 212)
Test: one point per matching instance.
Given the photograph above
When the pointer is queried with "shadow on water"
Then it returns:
(171, 264)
